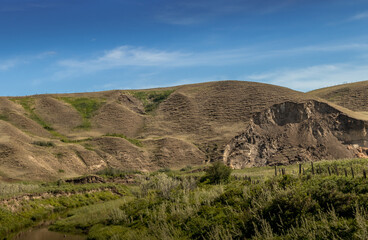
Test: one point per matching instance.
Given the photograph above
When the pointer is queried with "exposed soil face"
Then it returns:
(297, 132)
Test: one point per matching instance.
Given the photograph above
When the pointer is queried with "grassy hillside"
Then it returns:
(322, 202)
(353, 96)
(165, 127)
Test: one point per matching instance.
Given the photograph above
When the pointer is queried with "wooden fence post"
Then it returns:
(275, 170)
(300, 168)
(329, 170)
(346, 172)
(352, 172)
(312, 168)
(364, 174)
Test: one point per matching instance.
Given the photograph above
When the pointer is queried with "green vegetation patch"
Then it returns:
(316, 204)
(114, 172)
(86, 107)
(88, 216)
(76, 140)
(4, 117)
(44, 143)
(289, 206)
(56, 198)
(136, 142)
(151, 99)
(217, 173)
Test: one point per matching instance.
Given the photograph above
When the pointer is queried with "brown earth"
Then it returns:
(297, 132)
(192, 126)
(116, 118)
(60, 115)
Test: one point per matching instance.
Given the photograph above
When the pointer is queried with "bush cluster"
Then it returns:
(283, 207)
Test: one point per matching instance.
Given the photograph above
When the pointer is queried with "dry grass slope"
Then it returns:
(176, 126)
(353, 96)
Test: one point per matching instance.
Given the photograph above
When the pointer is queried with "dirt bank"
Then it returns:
(297, 132)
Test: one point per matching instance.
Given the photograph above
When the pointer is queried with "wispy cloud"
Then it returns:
(15, 6)
(124, 56)
(359, 16)
(309, 78)
(20, 60)
(8, 64)
(138, 60)
(197, 11)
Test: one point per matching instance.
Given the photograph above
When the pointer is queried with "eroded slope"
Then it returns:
(137, 129)
(297, 132)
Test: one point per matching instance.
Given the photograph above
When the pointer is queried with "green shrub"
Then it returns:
(114, 172)
(162, 184)
(164, 170)
(4, 117)
(186, 168)
(44, 144)
(217, 173)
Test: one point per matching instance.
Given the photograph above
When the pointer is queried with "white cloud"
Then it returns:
(139, 60)
(309, 78)
(191, 12)
(44, 55)
(125, 56)
(359, 16)
(8, 64)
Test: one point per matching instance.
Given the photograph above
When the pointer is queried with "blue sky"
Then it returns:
(57, 46)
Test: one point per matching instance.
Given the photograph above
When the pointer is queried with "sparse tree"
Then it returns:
(218, 173)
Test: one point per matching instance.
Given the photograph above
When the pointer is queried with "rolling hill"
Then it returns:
(63, 135)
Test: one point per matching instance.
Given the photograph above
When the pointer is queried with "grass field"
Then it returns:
(323, 202)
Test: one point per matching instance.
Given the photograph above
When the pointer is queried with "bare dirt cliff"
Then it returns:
(297, 132)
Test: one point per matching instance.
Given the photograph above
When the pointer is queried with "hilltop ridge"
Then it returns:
(64, 135)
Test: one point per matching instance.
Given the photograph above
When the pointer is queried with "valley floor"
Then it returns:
(326, 201)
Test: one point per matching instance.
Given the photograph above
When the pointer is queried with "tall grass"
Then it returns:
(173, 205)
(7, 189)
(177, 205)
